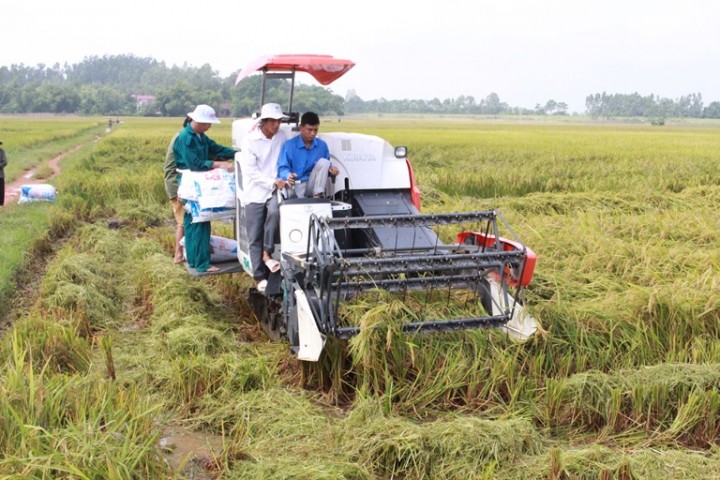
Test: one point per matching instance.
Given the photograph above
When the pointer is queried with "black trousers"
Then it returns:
(2, 191)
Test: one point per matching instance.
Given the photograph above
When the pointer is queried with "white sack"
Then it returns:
(207, 214)
(36, 193)
(211, 189)
(221, 249)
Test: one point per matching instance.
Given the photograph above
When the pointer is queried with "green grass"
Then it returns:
(31, 141)
(28, 230)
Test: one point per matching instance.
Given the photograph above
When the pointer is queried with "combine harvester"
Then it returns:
(369, 234)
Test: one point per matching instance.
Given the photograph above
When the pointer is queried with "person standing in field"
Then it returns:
(170, 175)
(259, 154)
(3, 164)
(193, 150)
(305, 160)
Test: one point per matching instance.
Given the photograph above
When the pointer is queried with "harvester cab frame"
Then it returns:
(368, 235)
(292, 117)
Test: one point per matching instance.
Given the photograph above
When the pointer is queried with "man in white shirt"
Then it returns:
(259, 154)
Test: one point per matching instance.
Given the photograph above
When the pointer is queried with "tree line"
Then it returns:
(112, 84)
(650, 106)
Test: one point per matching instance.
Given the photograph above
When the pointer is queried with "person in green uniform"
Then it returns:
(193, 150)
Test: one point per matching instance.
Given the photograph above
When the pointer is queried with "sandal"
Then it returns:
(272, 265)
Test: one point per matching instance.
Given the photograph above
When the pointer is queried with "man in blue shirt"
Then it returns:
(305, 160)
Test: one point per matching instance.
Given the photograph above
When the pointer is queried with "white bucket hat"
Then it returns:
(204, 114)
(272, 110)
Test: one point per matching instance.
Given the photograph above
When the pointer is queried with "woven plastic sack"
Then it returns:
(221, 249)
(37, 193)
(207, 214)
(211, 189)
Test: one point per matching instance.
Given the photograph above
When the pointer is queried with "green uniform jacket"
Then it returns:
(194, 152)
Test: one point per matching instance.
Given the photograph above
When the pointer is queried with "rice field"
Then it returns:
(118, 362)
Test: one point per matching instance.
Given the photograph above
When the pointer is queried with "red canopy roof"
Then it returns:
(324, 68)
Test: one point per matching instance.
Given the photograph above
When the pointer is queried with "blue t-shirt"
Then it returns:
(295, 157)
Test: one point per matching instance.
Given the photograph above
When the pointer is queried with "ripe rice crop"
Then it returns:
(30, 141)
(620, 383)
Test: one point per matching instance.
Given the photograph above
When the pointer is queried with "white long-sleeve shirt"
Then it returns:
(258, 164)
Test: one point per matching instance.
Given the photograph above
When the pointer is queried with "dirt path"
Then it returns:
(29, 276)
(12, 190)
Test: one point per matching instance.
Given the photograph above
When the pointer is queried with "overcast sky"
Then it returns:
(526, 51)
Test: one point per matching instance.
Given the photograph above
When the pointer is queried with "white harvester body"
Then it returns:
(367, 233)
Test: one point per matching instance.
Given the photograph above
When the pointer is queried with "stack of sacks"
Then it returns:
(208, 195)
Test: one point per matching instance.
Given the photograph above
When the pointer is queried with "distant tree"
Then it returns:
(651, 106)
(550, 107)
(712, 110)
(245, 97)
(317, 99)
(435, 105)
(353, 103)
(491, 104)
(105, 100)
(54, 98)
(594, 105)
(177, 100)
(123, 71)
(696, 106)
